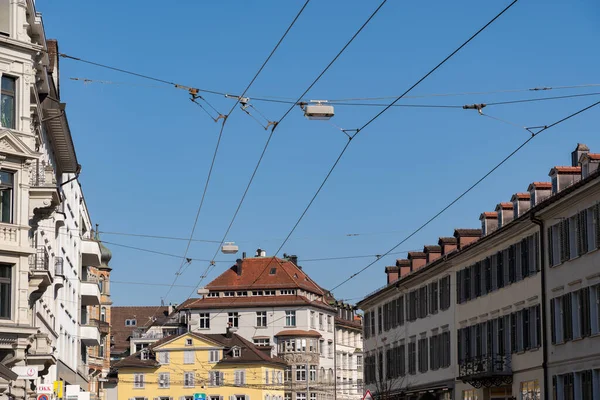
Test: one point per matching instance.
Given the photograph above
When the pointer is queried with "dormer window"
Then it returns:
(273, 271)
(555, 184)
(188, 342)
(237, 352)
(130, 322)
(532, 198)
(144, 355)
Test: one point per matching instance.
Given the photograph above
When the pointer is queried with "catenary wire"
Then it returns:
(275, 127)
(464, 193)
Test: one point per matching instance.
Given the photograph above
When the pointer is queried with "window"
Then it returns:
(188, 356)
(130, 322)
(239, 377)
(312, 320)
(7, 102)
(313, 396)
(237, 352)
(329, 324)
(229, 294)
(300, 396)
(300, 373)
(433, 297)
(5, 291)
(530, 390)
(321, 322)
(287, 291)
(290, 318)
(188, 379)
(215, 378)
(445, 293)
(163, 357)
(269, 293)
(144, 355)
(6, 196)
(233, 319)
(587, 386)
(423, 357)
(188, 342)
(103, 314)
(213, 356)
(330, 348)
(313, 373)
(213, 294)
(164, 380)
(469, 395)
(261, 318)
(379, 320)
(204, 321)
(242, 294)
(138, 381)
(412, 358)
(262, 342)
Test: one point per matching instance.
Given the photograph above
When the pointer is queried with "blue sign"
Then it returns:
(42, 397)
(199, 396)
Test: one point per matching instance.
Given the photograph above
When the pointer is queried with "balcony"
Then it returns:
(39, 273)
(89, 334)
(90, 291)
(103, 325)
(43, 192)
(90, 253)
(486, 370)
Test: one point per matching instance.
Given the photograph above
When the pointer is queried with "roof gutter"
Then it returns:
(540, 223)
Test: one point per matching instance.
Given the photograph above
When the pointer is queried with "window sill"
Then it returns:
(260, 327)
(290, 326)
(578, 339)
(203, 329)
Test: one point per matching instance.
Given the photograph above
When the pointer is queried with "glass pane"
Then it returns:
(5, 199)
(4, 271)
(8, 84)
(7, 110)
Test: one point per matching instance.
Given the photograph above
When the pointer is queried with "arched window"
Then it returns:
(101, 284)
(322, 375)
(101, 347)
(330, 375)
(103, 314)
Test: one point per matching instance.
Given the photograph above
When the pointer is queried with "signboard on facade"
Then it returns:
(59, 387)
(199, 396)
(26, 372)
(44, 388)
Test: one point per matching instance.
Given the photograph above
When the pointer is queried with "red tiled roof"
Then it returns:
(209, 303)
(392, 269)
(468, 232)
(402, 262)
(298, 332)
(447, 239)
(505, 206)
(257, 274)
(356, 324)
(416, 254)
(522, 196)
(489, 214)
(565, 170)
(432, 248)
(540, 185)
(592, 156)
(143, 317)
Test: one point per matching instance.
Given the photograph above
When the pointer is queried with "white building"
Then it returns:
(44, 224)
(274, 304)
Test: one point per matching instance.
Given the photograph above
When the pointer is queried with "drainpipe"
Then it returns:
(334, 360)
(74, 178)
(540, 223)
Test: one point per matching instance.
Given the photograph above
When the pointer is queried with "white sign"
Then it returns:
(45, 389)
(26, 372)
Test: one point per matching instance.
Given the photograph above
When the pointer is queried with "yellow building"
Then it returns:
(220, 366)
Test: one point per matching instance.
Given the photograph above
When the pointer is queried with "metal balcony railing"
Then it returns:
(42, 175)
(39, 261)
(485, 365)
(58, 266)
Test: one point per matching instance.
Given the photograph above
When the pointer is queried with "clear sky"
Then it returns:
(146, 149)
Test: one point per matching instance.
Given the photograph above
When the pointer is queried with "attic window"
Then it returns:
(237, 352)
(296, 276)
(130, 322)
(273, 271)
(144, 355)
(188, 342)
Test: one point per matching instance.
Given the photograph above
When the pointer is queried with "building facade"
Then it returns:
(46, 240)
(222, 366)
(276, 305)
(522, 313)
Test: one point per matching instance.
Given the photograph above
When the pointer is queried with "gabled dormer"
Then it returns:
(489, 222)
(505, 213)
(562, 177)
(521, 203)
(589, 164)
(538, 192)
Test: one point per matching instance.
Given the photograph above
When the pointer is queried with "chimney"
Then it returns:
(448, 244)
(292, 258)
(521, 204)
(404, 266)
(563, 177)
(243, 255)
(260, 253)
(392, 274)
(580, 150)
(432, 253)
(238, 266)
(417, 260)
(489, 222)
(539, 191)
(505, 213)
(589, 164)
(230, 330)
(464, 237)
(53, 67)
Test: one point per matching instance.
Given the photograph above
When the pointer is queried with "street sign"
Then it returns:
(42, 397)
(26, 372)
(45, 388)
(199, 396)
(367, 395)
(59, 387)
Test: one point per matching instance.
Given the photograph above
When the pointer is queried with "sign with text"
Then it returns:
(45, 388)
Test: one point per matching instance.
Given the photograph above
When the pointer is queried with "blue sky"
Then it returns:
(146, 149)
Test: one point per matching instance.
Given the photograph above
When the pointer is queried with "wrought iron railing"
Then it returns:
(485, 365)
(42, 174)
(58, 266)
(39, 261)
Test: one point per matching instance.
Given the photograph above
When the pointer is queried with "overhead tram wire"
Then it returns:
(181, 270)
(469, 189)
(359, 130)
(275, 127)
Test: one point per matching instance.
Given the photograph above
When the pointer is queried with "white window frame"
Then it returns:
(261, 319)
(204, 321)
(139, 381)
(236, 352)
(301, 373)
(290, 318)
(164, 380)
(188, 380)
(233, 319)
(213, 356)
(188, 356)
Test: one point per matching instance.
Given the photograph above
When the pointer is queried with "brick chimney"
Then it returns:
(53, 68)
(465, 237)
(417, 260)
(521, 204)
(539, 191)
(393, 273)
(448, 244)
(505, 213)
(563, 177)
(580, 150)
(404, 266)
(432, 252)
(238, 266)
(489, 222)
